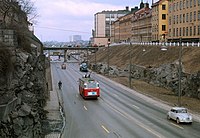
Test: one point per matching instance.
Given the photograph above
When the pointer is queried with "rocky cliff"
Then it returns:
(22, 93)
(150, 64)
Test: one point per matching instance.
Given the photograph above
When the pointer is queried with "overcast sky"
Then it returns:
(58, 19)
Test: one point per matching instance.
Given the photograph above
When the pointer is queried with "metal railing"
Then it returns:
(159, 44)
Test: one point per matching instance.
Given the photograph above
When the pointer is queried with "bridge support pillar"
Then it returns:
(65, 55)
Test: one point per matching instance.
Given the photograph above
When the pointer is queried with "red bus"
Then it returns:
(89, 88)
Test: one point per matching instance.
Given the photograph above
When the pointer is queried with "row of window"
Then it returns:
(182, 18)
(184, 4)
(185, 31)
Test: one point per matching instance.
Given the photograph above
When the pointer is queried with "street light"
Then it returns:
(108, 64)
(179, 70)
(130, 59)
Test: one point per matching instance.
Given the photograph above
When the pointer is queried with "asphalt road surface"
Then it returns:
(118, 113)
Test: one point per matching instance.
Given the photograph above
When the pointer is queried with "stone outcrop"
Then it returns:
(23, 93)
(166, 76)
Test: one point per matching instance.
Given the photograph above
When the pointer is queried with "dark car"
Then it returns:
(83, 67)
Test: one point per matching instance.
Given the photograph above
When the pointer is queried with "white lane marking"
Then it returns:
(135, 106)
(105, 129)
(177, 125)
(85, 108)
(129, 117)
(115, 95)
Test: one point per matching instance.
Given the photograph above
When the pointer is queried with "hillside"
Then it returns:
(152, 56)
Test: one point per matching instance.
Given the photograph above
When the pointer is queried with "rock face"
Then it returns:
(166, 75)
(23, 94)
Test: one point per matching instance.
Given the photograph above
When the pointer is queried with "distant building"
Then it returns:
(75, 38)
(184, 21)
(102, 25)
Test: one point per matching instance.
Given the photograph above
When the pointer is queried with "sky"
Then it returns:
(59, 19)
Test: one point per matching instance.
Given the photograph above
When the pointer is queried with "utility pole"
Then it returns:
(108, 51)
(180, 71)
(130, 62)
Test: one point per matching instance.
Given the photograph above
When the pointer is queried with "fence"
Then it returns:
(160, 44)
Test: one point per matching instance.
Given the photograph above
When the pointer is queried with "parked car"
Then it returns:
(180, 115)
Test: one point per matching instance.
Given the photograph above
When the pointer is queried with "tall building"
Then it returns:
(184, 20)
(75, 38)
(160, 21)
(102, 25)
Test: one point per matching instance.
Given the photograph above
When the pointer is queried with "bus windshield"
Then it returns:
(92, 85)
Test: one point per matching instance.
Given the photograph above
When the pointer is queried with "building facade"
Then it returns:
(102, 25)
(184, 21)
(141, 25)
(160, 21)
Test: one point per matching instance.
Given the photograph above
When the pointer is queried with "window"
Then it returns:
(183, 31)
(198, 2)
(174, 19)
(190, 31)
(187, 4)
(180, 31)
(183, 18)
(164, 16)
(180, 6)
(163, 7)
(194, 30)
(198, 31)
(177, 6)
(170, 20)
(190, 16)
(187, 16)
(180, 18)
(194, 3)
(190, 3)
(194, 16)
(186, 31)
(177, 19)
(163, 27)
(176, 32)
(198, 15)
(183, 4)
(173, 32)
(170, 32)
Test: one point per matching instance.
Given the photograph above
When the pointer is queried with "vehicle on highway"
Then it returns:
(83, 67)
(63, 66)
(88, 87)
(180, 115)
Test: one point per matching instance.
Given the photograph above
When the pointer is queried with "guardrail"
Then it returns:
(159, 44)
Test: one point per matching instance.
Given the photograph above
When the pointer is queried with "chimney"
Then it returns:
(127, 8)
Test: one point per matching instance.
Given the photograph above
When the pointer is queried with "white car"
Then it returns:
(180, 115)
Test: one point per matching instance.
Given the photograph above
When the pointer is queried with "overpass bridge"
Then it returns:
(65, 49)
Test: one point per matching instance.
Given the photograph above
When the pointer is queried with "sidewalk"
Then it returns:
(54, 116)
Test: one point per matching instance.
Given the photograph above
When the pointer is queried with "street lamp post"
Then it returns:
(130, 61)
(108, 51)
(180, 71)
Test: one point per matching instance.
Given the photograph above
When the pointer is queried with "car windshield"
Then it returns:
(182, 111)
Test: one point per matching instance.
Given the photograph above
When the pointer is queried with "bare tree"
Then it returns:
(29, 8)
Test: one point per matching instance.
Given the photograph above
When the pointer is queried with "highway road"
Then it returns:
(118, 112)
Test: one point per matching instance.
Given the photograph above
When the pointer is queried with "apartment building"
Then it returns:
(160, 21)
(102, 25)
(184, 20)
(135, 25)
(141, 25)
